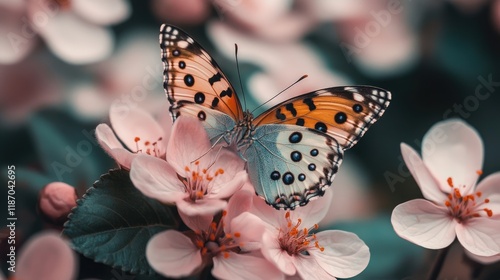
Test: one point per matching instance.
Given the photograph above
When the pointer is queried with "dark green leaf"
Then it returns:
(114, 221)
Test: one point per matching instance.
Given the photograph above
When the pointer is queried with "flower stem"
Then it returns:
(438, 264)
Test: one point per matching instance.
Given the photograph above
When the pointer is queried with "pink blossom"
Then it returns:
(74, 30)
(46, 256)
(229, 243)
(196, 176)
(453, 206)
(137, 129)
(290, 244)
(56, 201)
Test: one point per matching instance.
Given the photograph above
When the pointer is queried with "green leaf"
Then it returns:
(114, 221)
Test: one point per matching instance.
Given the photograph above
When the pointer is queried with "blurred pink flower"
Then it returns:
(227, 243)
(56, 201)
(289, 243)
(74, 30)
(46, 256)
(18, 98)
(138, 130)
(447, 174)
(196, 176)
(282, 63)
(132, 75)
(186, 12)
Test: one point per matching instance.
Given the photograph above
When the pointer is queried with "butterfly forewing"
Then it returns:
(343, 113)
(191, 76)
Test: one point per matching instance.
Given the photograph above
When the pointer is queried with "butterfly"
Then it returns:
(294, 149)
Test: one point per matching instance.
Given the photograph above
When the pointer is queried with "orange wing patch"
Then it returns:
(343, 113)
(192, 76)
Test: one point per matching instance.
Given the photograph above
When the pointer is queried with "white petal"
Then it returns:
(480, 236)
(46, 257)
(345, 255)
(200, 222)
(74, 40)
(102, 12)
(239, 266)
(453, 149)
(423, 223)
(425, 180)
(172, 254)
(309, 268)
(250, 227)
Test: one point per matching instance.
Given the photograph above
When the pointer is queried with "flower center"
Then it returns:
(197, 181)
(214, 240)
(464, 207)
(147, 146)
(295, 240)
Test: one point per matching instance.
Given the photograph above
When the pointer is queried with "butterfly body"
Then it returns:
(294, 149)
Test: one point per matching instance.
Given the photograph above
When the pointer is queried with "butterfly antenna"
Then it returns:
(211, 148)
(239, 76)
(300, 79)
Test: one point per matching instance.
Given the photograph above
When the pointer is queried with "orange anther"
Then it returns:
(450, 182)
(479, 172)
(237, 234)
(137, 139)
(488, 211)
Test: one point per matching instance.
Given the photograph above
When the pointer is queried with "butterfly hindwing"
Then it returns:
(343, 113)
(289, 165)
(191, 76)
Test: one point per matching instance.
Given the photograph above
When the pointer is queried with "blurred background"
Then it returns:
(63, 62)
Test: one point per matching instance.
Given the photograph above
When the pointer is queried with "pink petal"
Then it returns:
(131, 122)
(227, 189)
(309, 268)
(345, 255)
(200, 207)
(250, 228)
(273, 253)
(239, 203)
(46, 256)
(424, 178)
(314, 211)
(424, 223)
(110, 144)
(480, 236)
(453, 149)
(483, 260)
(199, 222)
(102, 12)
(155, 178)
(74, 40)
(188, 142)
(490, 189)
(240, 266)
(173, 254)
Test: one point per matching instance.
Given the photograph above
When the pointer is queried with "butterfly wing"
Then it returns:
(192, 77)
(289, 165)
(342, 113)
(298, 145)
